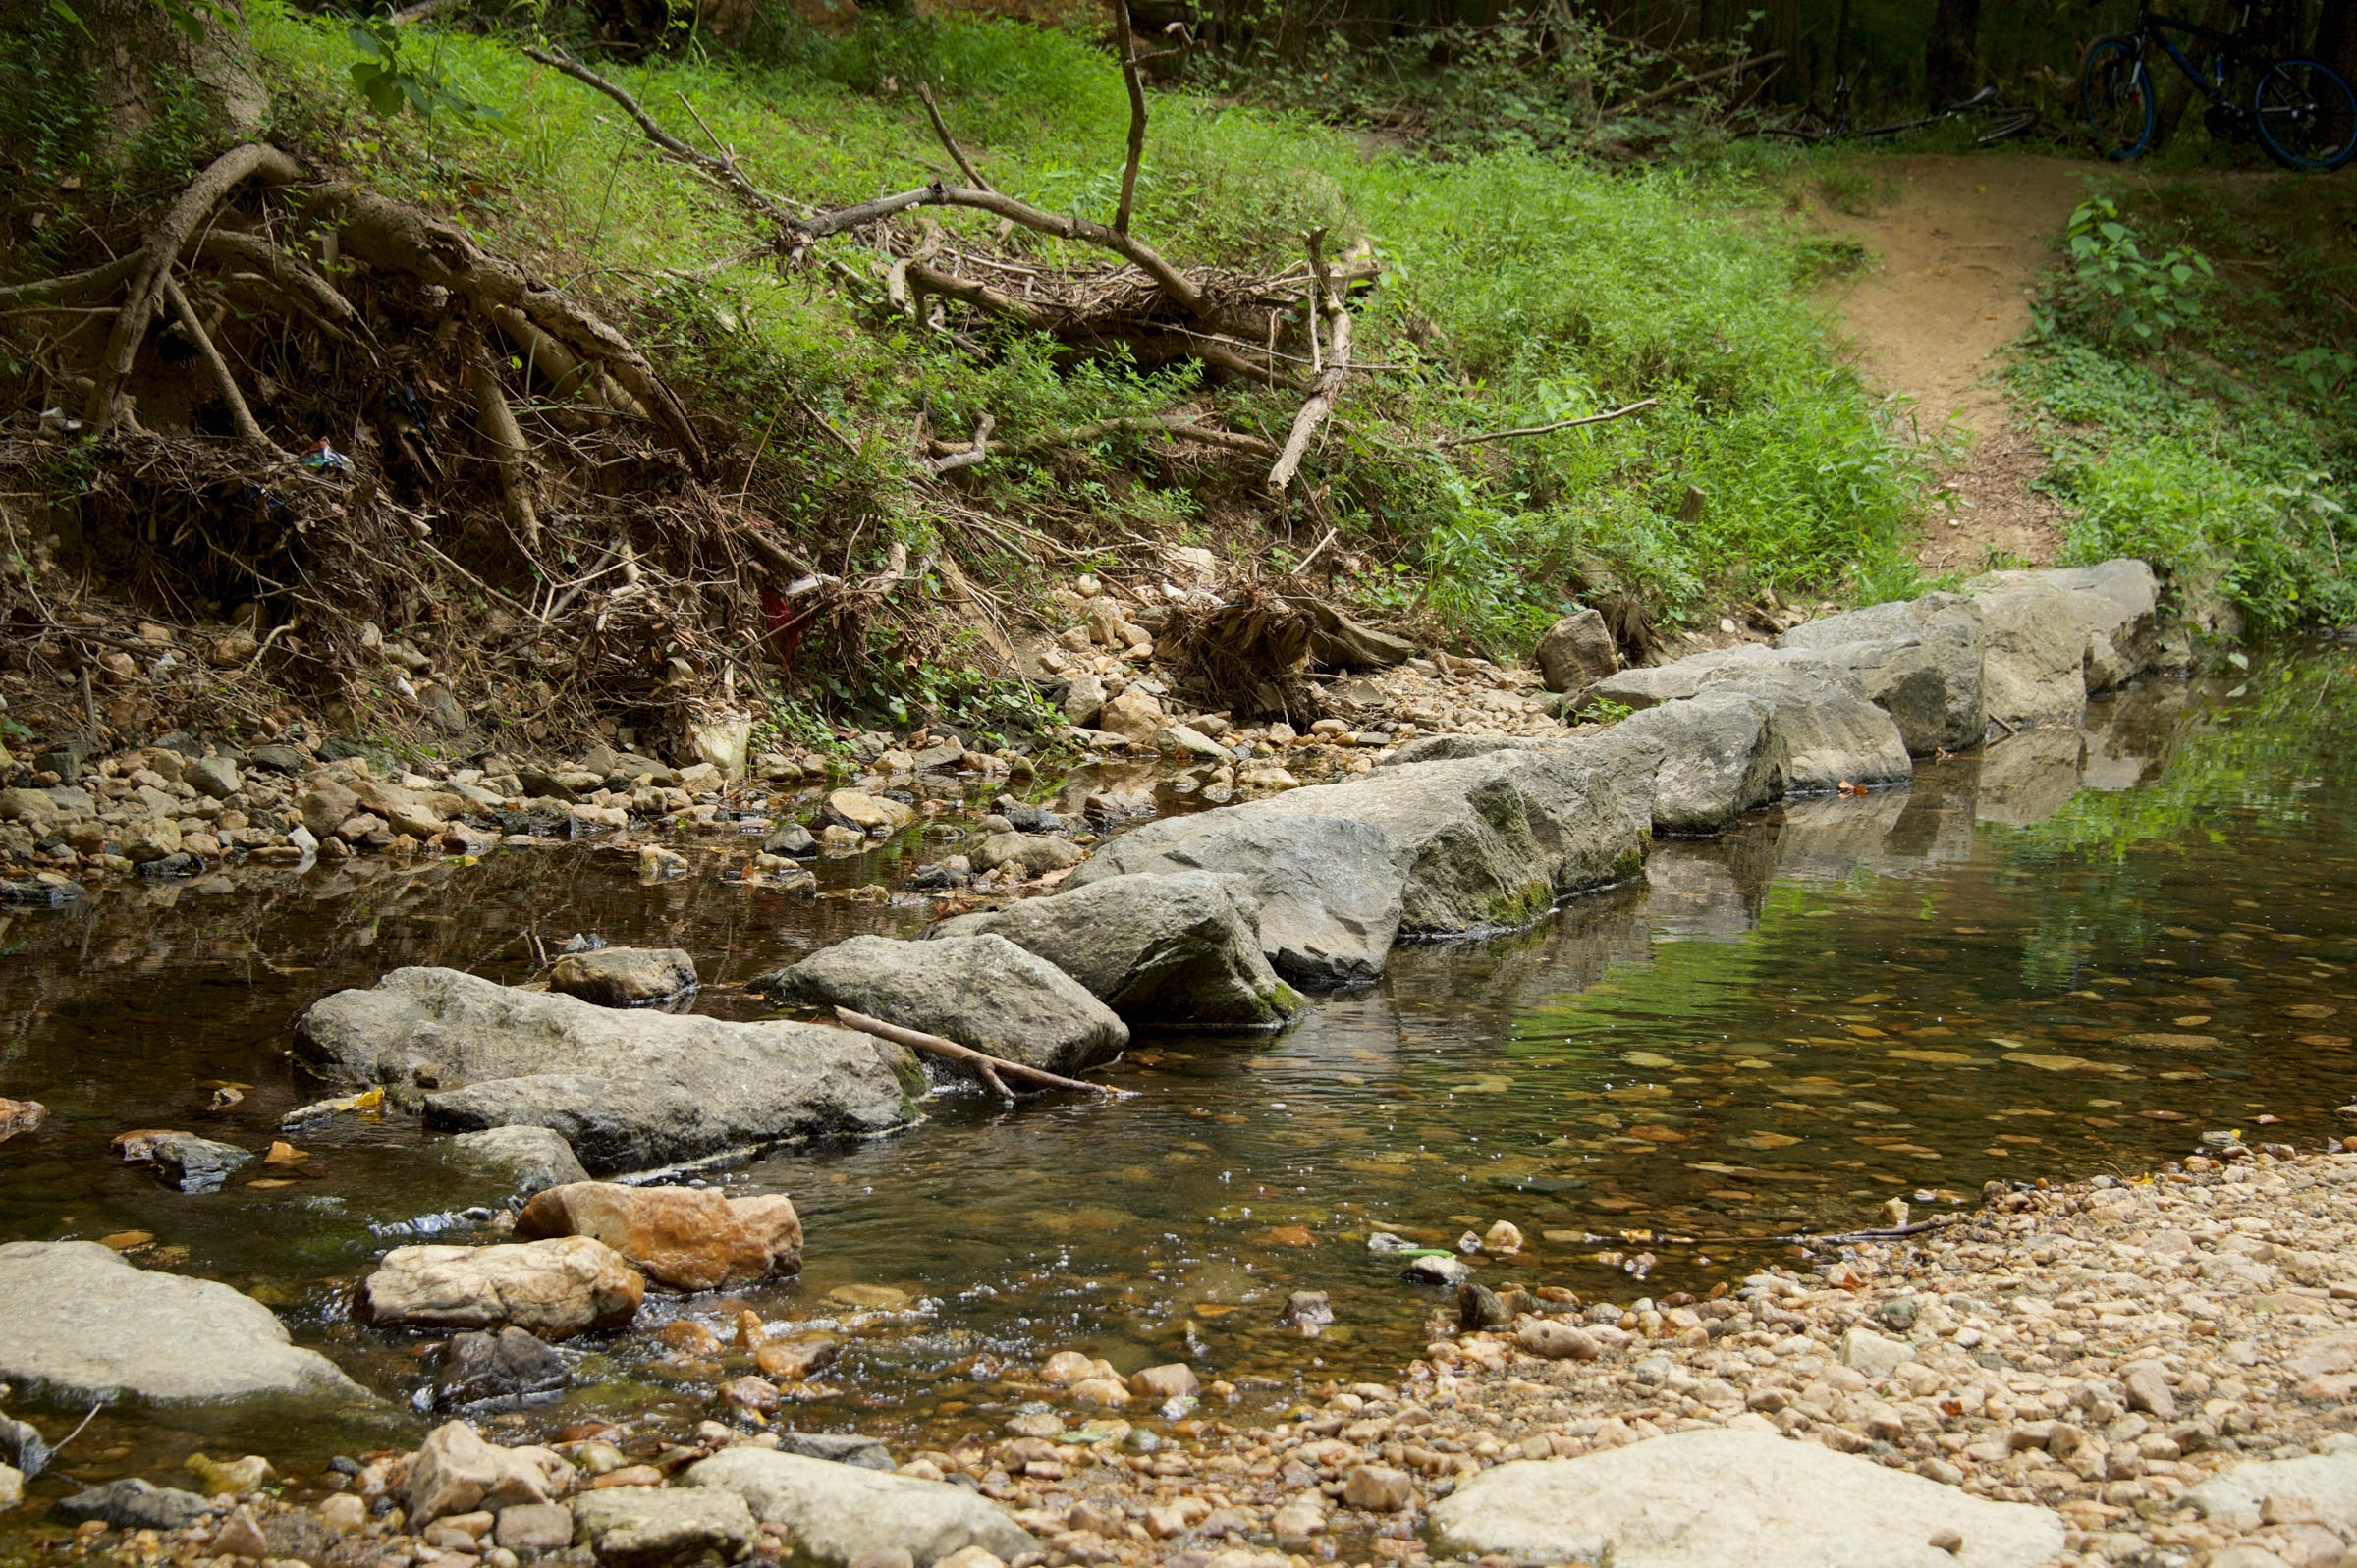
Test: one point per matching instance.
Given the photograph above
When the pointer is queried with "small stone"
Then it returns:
(344, 1514)
(793, 1360)
(1556, 1340)
(1161, 1384)
(2148, 1390)
(757, 1394)
(1105, 1391)
(235, 1476)
(241, 1536)
(1502, 1239)
(1379, 1488)
(1948, 1538)
(969, 1557)
(1865, 1351)
(534, 1527)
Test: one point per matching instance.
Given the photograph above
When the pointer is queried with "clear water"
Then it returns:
(2075, 953)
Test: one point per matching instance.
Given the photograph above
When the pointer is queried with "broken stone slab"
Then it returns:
(1329, 893)
(839, 1512)
(654, 1527)
(192, 1164)
(690, 1239)
(623, 977)
(982, 992)
(627, 1088)
(456, 1471)
(1727, 1497)
(1177, 950)
(554, 1288)
(77, 1323)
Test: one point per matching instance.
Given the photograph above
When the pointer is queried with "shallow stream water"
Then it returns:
(2077, 952)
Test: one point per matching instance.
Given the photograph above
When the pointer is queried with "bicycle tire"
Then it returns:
(2305, 114)
(2115, 94)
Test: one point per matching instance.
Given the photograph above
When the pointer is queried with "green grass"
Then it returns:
(2219, 447)
(1519, 288)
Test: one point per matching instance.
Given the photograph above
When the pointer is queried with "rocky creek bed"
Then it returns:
(1360, 1046)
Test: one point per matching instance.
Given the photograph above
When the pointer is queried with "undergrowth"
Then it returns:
(2192, 359)
(1519, 288)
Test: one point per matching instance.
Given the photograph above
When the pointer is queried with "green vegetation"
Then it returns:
(1519, 290)
(2191, 360)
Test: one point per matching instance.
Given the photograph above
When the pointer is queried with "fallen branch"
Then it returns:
(1137, 116)
(1328, 380)
(1691, 82)
(973, 456)
(1541, 430)
(159, 255)
(248, 428)
(1169, 424)
(918, 1039)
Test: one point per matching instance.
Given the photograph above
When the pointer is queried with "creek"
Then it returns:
(2077, 952)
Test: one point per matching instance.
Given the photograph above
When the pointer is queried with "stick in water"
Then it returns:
(986, 1065)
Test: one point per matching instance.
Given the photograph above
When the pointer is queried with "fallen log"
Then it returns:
(988, 1066)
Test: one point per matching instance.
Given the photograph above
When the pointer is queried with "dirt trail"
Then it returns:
(1958, 254)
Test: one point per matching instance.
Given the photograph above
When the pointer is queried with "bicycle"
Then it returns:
(2299, 110)
(1809, 125)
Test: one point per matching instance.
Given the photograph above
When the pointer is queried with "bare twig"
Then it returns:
(941, 129)
(1541, 430)
(918, 1039)
(1138, 115)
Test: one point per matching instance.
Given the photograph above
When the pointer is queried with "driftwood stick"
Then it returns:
(250, 429)
(1327, 383)
(918, 1039)
(1541, 430)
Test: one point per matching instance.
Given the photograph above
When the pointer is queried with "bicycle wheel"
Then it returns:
(2306, 115)
(2117, 94)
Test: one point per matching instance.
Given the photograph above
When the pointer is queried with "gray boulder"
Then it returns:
(2117, 603)
(195, 1164)
(534, 1158)
(1329, 893)
(1749, 1497)
(1826, 730)
(1923, 661)
(654, 1527)
(135, 1504)
(1174, 951)
(626, 1089)
(980, 991)
(1458, 747)
(1470, 844)
(80, 1325)
(1576, 652)
(623, 977)
(2036, 639)
(835, 1513)
(1692, 765)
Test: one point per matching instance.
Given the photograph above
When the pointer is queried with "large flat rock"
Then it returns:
(80, 1325)
(626, 1089)
(2319, 1487)
(1692, 765)
(1825, 731)
(981, 991)
(1175, 950)
(1749, 1497)
(838, 1512)
(1329, 890)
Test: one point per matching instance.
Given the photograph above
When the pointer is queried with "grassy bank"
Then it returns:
(1519, 290)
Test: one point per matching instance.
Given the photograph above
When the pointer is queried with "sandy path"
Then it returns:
(1956, 259)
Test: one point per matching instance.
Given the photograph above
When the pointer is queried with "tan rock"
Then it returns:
(1134, 714)
(690, 1239)
(1106, 1391)
(1175, 1380)
(793, 1360)
(1502, 1237)
(857, 809)
(344, 1514)
(555, 1288)
(1379, 1488)
(456, 1471)
(1556, 1340)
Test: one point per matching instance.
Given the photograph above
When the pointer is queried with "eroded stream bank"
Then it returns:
(2071, 953)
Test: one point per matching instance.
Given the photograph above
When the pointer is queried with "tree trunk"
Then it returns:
(2336, 38)
(140, 70)
(1952, 59)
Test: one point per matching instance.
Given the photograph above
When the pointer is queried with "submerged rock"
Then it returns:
(983, 991)
(79, 1323)
(623, 977)
(534, 1158)
(135, 1504)
(689, 1238)
(839, 1512)
(627, 1088)
(557, 1288)
(1724, 1497)
(511, 1364)
(1178, 950)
